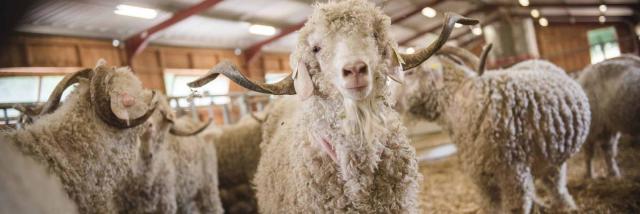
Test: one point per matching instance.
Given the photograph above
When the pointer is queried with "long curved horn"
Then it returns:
(415, 59)
(483, 58)
(102, 102)
(54, 99)
(185, 133)
(467, 57)
(228, 69)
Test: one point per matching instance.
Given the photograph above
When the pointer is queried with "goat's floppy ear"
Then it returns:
(302, 81)
(395, 72)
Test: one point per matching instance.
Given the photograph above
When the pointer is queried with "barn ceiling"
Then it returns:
(226, 24)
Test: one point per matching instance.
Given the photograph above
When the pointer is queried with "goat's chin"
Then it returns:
(358, 93)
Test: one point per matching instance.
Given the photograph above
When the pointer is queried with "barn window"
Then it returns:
(29, 85)
(274, 77)
(176, 86)
(603, 44)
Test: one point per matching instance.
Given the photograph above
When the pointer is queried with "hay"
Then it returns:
(446, 189)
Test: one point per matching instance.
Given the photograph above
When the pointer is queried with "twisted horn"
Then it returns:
(30, 111)
(54, 99)
(102, 102)
(228, 69)
(255, 117)
(467, 57)
(415, 59)
(185, 133)
(483, 58)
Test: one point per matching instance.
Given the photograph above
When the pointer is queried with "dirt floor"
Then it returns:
(446, 189)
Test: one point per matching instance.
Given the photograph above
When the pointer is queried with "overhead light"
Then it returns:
(134, 11)
(524, 3)
(602, 19)
(264, 30)
(410, 50)
(457, 25)
(602, 8)
(543, 22)
(535, 13)
(429, 12)
(476, 31)
(115, 43)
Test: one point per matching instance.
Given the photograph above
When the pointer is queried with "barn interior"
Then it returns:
(169, 43)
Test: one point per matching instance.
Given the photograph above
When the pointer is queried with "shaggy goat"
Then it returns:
(614, 96)
(341, 148)
(510, 126)
(170, 148)
(195, 160)
(26, 187)
(91, 141)
(238, 150)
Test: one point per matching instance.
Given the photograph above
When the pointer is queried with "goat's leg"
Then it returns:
(516, 185)
(555, 181)
(610, 150)
(589, 149)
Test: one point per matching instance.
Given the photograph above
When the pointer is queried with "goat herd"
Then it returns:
(337, 146)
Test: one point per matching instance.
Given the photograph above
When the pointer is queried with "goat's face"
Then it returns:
(159, 123)
(419, 93)
(128, 98)
(428, 86)
(347, 47)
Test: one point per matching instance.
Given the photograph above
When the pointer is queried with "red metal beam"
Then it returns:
(254, 50)
(494, 18)
(420, 33)
(136, 43)
(465, 43)
(532, 5)
(595, 4)
(415, 11)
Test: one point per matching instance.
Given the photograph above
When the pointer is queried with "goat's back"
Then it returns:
(613, 88)
(522, 113)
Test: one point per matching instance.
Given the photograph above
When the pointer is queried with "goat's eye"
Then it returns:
(375, 35)
(316, 49)
(408, 73)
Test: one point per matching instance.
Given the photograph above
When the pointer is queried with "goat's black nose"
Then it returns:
(355, 68)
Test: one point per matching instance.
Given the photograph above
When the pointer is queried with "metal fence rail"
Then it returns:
(244, 102)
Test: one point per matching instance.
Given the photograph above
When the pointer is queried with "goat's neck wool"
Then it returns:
(358, 133)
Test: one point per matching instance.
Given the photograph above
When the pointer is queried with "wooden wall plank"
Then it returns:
(30, 50)
(57, 55)
(175, 58)
(13, 55)
(204, 59)
(90, 54)
(567, 45)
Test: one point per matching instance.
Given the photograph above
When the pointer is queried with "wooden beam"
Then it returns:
(252, 51)
(136, 43)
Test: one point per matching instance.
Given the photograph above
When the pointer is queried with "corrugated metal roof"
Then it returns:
(226, 24)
